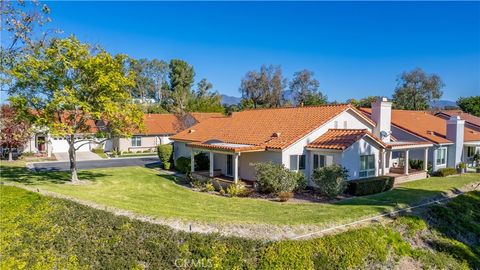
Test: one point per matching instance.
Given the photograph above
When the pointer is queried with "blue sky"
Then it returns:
(355, 49)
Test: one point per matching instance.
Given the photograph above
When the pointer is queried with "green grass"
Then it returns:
(39, 232)
(145, 192)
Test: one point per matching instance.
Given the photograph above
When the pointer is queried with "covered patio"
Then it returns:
(395, 160)
(224, 159)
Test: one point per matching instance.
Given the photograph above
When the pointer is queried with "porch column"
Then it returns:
(406, 162)
(211, 164)
(235, 168)
(383, 154)
(192, 160)
(425, 159)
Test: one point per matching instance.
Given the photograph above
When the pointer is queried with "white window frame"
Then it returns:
(136, 140)
(321, 161)
(296, 164)
(367, 172)
(439, 150)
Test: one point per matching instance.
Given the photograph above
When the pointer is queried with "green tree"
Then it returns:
(365, 102)
(264, 88)
(68, 87)
(470, 105)
(21, 25)
(181, 76)
(304, 88)
(151, 74)
(203, 100)
(416, 89)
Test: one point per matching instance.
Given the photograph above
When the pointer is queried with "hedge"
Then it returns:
(202, 163)
(165, 152)
(370, 185)
(445, 172)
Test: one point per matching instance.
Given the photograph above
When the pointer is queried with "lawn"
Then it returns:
(144, 191)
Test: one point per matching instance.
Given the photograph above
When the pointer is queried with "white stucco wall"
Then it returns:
(353, 122)
(351, 156)
(148, 142)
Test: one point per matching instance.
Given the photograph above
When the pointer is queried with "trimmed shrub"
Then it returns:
(183, 164)
(165, 153)
(275, 178)
(416, 164)
(445, 172)
(167, 165)
(370, 185)
(330, 180)
(209, 187)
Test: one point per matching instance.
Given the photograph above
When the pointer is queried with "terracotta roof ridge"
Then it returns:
(296, 107)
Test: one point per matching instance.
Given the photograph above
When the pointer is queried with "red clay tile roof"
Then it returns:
(271, 128)
(341, 139)
(472, 119)
(425, 125)
(228, 148)
(168, 124)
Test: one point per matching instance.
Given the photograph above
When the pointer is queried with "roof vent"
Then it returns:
(276, 134)
(191, 131)
(429, 132)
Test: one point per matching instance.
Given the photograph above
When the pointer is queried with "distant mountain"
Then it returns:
(229, 100)
(442, 104)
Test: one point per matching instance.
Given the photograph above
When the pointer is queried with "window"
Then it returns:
(301, 162)
(136, 141)
(470, 151)
(441, 156)
(367, 166)
(297, 162)
(318, 161)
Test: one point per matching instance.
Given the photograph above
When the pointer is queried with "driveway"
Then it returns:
(92, 164)
(84, 155)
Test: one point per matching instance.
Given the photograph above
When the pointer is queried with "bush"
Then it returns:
(445, 172)
(416, 164)
(285, 196)
(275, 178)
(165, 153)
(202, 162)
(183, 164)
(369, 186)
(209, 187)
(167, 165)
(330, 180)
(236, 190)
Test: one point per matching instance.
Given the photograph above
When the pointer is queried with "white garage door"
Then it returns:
(60, 145)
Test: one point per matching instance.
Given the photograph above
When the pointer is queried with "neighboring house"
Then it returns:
(471, 121)
(302, 139)
(158, 129)
(453, 141)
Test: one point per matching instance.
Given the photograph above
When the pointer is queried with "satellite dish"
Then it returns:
(383, 134)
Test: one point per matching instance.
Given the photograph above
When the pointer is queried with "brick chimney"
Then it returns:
(382, 115)
(455, 133)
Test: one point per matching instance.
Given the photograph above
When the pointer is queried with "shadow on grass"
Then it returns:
(24, 176)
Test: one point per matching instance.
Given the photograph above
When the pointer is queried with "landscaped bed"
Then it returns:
(143, 191)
